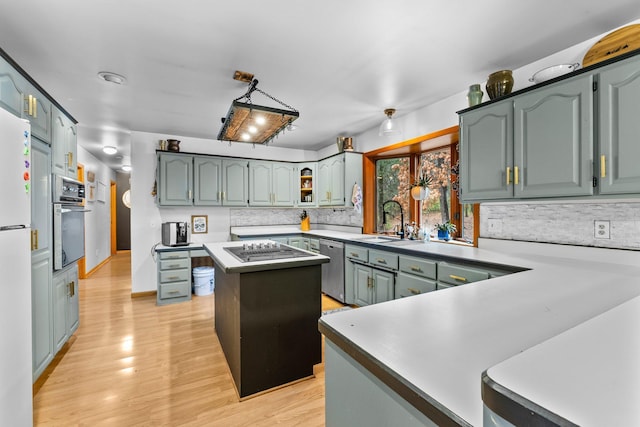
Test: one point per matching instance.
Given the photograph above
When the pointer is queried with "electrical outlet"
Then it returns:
(602, 229)
(495, 225)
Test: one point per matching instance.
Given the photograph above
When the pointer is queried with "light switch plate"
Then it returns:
(602, 229)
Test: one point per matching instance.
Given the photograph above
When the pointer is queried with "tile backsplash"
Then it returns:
(571, 223)
(242, 217)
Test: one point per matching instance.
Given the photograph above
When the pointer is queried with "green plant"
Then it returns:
(446, 226)
(423, 181)
(303, 215)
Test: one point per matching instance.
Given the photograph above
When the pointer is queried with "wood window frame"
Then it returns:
(412, 148)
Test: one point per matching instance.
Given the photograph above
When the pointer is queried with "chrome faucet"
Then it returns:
(384, 217)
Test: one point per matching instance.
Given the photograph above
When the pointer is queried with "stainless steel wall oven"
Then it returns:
(68, 221)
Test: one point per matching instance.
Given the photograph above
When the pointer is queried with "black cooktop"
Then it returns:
(251, 252)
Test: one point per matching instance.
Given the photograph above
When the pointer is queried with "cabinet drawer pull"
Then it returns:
(381, 261)
(603, 168)
(174, 265)
(173, 278)
(508, 175)
(174, 292)
(354, 255)
(414, 291)
(417, 269)
(459, 278)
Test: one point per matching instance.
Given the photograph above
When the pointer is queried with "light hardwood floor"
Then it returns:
(132, 363)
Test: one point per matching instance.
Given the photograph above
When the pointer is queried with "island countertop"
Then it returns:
(437, 345)
(230, 264)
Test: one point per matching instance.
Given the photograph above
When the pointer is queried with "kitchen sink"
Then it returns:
(404, 242)
(376, 239)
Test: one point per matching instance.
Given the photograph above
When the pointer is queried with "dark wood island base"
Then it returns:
(267, 324)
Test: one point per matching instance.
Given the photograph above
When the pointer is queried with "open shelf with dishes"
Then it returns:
(306, 185)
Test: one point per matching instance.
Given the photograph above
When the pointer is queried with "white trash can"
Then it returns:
(203, 280)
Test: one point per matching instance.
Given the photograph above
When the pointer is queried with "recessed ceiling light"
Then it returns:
(109, 149)
(126, 168)
(110, 77)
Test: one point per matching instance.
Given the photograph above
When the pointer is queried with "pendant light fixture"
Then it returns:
(252, 123)
(389, 127)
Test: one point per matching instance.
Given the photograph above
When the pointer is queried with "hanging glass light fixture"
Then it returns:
(252, 123)
(389, 127)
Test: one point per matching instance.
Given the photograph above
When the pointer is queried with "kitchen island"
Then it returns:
(266, 313)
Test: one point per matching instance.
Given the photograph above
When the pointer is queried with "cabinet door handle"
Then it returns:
(508, 175)
(459, 278)
(35, 107)
(414, 291)
(190, 194)
(369, 282)
(515, 175)
(224, 195)
(34, 240)
(72, 288)
(603, 166)
(69, 158)
(418, 269)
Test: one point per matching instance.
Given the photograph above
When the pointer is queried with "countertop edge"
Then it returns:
(423, 402)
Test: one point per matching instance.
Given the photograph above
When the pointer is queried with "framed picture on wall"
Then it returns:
(199, 224)
(91, 193)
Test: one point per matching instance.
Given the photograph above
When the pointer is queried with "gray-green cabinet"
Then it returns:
(175, 179)
(66, 305)
(174, 277)
(41, 254)
(64, 145)
(336, 178)
(186, 180)
(553, 140)
(271, 183)
(539, 144)
(364, 283)
(12, 86)
(416, 276)
(619, 127)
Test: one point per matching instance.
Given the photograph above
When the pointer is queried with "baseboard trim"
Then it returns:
(97, 267)
(143, 294)
(44, 376)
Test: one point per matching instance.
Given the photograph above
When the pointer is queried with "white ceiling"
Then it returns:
(340, 63)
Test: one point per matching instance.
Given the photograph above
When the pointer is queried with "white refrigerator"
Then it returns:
(16, 405)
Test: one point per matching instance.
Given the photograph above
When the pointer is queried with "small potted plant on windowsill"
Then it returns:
(445, 229)
(420, 189)
(305, 222)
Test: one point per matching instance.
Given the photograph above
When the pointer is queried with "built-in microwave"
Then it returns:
(67, 190)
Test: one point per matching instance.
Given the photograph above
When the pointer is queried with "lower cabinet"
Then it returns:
(453, 275)
(174, 277)
(372, 285)
(416, 276)
(65, 305)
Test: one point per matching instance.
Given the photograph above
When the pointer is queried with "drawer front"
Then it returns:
(357, 252)
(383, 259)
(408, 285)
(169, 276)
(173, 264)
(173, 254)
(459, 275)
(314, 244)
(418, 266)
(175, 290)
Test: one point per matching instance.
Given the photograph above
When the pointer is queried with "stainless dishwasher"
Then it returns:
(333, 271)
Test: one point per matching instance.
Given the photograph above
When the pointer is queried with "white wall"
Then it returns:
(97, 223)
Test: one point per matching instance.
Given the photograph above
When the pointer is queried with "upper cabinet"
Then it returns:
(270, 183)
(185, 180)
(336, 177)
(307, 182)
(619, 127)
(22, 98)
(573, 137)
(64, 143)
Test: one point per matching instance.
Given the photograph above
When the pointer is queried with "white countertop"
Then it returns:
(588, 375)
(441, 342)
(230, 264)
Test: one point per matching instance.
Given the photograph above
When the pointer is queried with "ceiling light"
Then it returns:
(109, 149)
(389, 127)
(110, 77)
(257, 124)
(126, 168)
